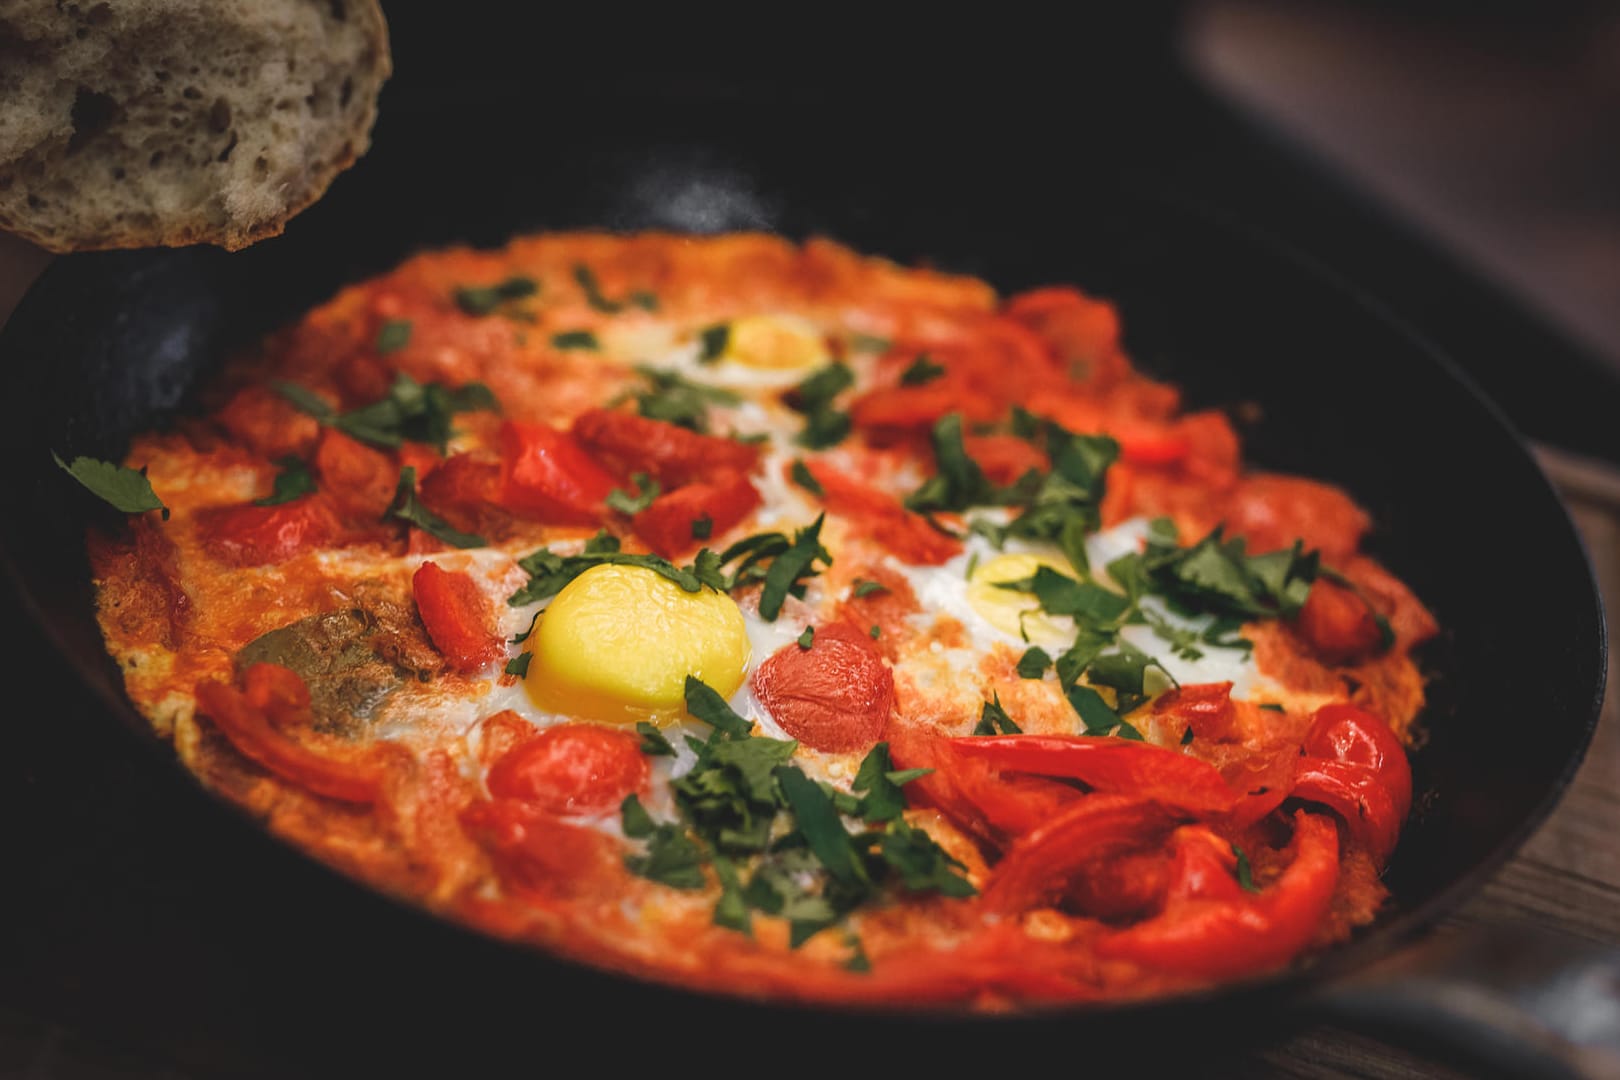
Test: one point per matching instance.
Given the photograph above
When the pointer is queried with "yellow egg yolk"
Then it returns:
(1011, 611)
(618, 642)
(775, 342)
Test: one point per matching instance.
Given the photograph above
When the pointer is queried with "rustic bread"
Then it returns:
(165, 122)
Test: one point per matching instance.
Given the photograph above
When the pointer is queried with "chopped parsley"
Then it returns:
(646, 491)
(586, 278)
(294, 481)
(813, 398)
(712, 342)
(393, 336)
(653, 742)
(702, 527)
(675, 399)
(485, 299)
(1245, 875)
(407, 508)
(519, 664)
(549, 572)
(775, 841)
(921, 371)
(807, 638)
(125, 490)
(1034, 662)
(801, 474)
(864, 588)
(409, 412)
(993, 720)
(575, 339)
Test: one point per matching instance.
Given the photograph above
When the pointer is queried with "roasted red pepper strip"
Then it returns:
(458, 616)
(1039, 867)
(988, 807)
(1111, 765)
(881, 516)
(673, 456)
(722, 501)
(1354, 764)
(1206, 708)
(274, 697)
(1221, 938)
(546, 475)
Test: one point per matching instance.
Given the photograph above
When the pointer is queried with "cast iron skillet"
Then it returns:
(108, 345)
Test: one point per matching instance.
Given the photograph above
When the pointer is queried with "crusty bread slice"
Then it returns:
(139, 123)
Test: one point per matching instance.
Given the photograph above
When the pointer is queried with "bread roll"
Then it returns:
(166, 122)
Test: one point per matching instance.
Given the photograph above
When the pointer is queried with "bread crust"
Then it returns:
(176, 122)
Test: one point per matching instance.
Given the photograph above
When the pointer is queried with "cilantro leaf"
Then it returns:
(671, 859)
(1034, 662)
(921, 371)
(393, 336)
(675, 399)
(1094, 712)
(712, 342)
(824, 425)
(409, 411)
(798, 561)
(884, 800)
(993, 720)
(575, 339)
(807, 638)
(126, 490)
(653, 742)
(922, 864)
(706, 704)
(483, 299)
(805, 478)
(646, 491)
(634, 819)
(959, 483)
(819, 823)
(292, 482)
(519, 664)
(406, 507)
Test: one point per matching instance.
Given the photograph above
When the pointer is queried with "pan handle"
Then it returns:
(1513, 1000)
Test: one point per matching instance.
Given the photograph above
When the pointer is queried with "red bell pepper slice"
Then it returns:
(458, 617)
(1040, 866)
(723, 501)
(1109, 765)
(274, 698)
(1355, 765)
(672, 455)
(1212, 938)
(546, 475)
(987, 806)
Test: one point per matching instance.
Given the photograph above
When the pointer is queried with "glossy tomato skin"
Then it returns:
(359, 479)
(575, 768)
(1337, 624)
(835, 696)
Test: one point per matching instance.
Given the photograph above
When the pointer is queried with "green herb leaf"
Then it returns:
(881, 782)
(653, 741)
(634, 819)
(863, 588)
(959, 483)
(1034, 662)
(483, 299)
(305, 400)
(393, 336)
(993, 720)
(292, 482)
(646, 491)
(1187, 737)
(575, 339)
(824, 425)
(857, 961)
(876, 632)
(807, 638)
(922, 864)
(706, 704)
(126, 490)
(407, 508)
(409, 411)
(921, 371)
(1245, 875)
(869, 343)
(671, 859)
(802, 476)
(702, 527)
(519, 664)
(797, 562)
(1094, 712)
(675, 399)
(712, 342)
(821, 826)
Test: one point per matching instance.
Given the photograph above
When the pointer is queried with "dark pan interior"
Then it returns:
(107, 345)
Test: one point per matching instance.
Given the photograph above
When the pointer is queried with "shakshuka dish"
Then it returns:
(770, 619)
